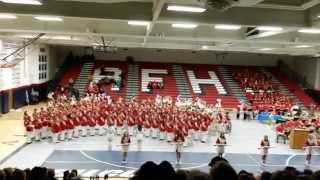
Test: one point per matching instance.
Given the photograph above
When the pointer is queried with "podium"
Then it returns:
(297, 138)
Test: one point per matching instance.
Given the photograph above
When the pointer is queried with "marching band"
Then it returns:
(181, 123)
(96, 115)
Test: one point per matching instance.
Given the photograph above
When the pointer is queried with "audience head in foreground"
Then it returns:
(219, 169)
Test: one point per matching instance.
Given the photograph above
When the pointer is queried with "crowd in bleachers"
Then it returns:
(219, 169)
(155, 85)
(116, 82)
(260, 90)
(65, 90)
(311, 124)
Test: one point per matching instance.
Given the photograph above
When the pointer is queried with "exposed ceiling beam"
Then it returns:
(247, 16)
(124, 10)
(166, 38)
(106, 1)
(143, 11)
(280, 7)
(157, 8)
(246, 3)
(268, 33)
(184, 43)
(289, 7)
(310, 4)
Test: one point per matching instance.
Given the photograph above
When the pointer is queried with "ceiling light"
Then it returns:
(31, 2)
(60, 37)
(269, 28)
(8, 16)
(26, 36)
(302, 46)
(265, 49)
(48, 18)
(310, 31)
(316, 55)
(205, 47)
(185, 26)
(227, 27)
(186, 8)
(139, 23)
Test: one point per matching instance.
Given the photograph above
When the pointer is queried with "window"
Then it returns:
(43, 66)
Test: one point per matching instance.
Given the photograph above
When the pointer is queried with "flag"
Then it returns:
(27, 97)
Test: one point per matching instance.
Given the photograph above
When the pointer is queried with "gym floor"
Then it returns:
(92, 163)
(90, 155)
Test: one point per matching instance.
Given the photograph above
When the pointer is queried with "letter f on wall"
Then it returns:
(146, 77)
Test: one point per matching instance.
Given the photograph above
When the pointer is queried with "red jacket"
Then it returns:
(101, 121)
(55, 128)
(29, 128)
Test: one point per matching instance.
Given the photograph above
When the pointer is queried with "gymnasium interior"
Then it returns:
(160, 89)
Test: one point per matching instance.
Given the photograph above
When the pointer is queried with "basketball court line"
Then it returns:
(128, 167)
(289, 159)
(99, 163)
(254, 160)
(102, 162)
(96, 160)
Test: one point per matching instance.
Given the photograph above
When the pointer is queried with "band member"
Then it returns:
(218, 105)
(110, 135)
(120, 124)
(125, 143)
(170, 134)
(264, 146)
(92, 126)
(37, 126)
(55, 129)
(162, 131)
(63, 127)
(220, 143)
(308, 148)
(131, 123)
(154, 129)
(29, 130)
(196, 130)
(28, 126)
(204, 132)
(76, 122)
(240, 110)
(190, 134)
(178, 139)
(147, 127)
(44, 125)
(101, 124)
(70, 127)
(139, 137)
(222, 127)
(84, 126)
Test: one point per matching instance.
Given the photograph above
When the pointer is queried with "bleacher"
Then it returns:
(163, 73)
(72, 73)
(210, 92)
(203, 81)
(293, 87)
(112, 66)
